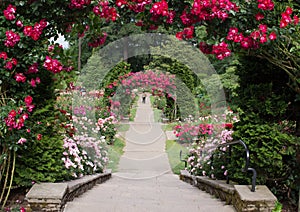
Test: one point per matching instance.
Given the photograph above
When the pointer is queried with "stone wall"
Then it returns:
(53, 196)
(240, 196)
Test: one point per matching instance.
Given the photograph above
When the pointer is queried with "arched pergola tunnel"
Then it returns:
(192, 58)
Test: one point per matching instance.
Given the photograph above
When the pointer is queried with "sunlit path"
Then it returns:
(144, 181)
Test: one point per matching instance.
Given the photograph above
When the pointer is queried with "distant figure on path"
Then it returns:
(144, 98)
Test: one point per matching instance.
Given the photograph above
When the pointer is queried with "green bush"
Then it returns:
(272, 153)
(43, 163)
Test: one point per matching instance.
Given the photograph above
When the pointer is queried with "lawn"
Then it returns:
(115, 151)
(173, 149)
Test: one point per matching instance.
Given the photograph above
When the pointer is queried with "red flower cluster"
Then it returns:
(3, 55)
(9, 13)
(11, 38)
(53, 65)
(286, 18)
(36, 31)
(265, 4)
(35, 81)
(98, 41)
(20, 77)
(187, 33)
(33, 69)
(9, 64)
(251, 41)
(134, 5)
(221, 50)
(105, 11)
(161, 9)
(16, 119)
(79, 4)
(205, 48)
(207, 9)
(19, 23)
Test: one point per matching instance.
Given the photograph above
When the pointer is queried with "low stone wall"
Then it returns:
(240, 196)
(53, 196)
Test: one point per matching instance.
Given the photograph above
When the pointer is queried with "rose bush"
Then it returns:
(28, 67)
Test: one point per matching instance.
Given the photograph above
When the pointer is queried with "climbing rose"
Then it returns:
(3, 55)
(33, 69)
(11, 38)
(19, 23)
(22, 140)
(9, 12)
(272, 36)
(53, 65)
(35, 31)
(28, 100)
(39, 137)
(259, 16)
(20, 77)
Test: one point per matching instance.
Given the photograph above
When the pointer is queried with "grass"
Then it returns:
(122, 127)
(157, 115)
(173, 149)
(114, 153)
(132, 114)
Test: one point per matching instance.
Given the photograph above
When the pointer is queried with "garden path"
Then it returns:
(144, 181)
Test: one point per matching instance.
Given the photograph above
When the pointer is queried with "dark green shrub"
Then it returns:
(272, 153)
(41, 161)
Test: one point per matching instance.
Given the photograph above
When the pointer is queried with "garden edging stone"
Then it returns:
(53, 196)
(240, 196)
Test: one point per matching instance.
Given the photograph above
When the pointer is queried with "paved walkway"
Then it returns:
(144, 181)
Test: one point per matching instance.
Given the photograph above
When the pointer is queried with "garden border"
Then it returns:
(54, 196)
(240, 196)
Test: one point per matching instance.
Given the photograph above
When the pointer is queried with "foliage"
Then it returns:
(272, 153)
(42, 163)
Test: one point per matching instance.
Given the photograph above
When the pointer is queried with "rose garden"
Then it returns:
(214, 71)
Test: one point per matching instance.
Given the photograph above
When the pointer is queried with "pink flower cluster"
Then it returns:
(72, 152)
(286, 18)
(16, 119)
(98, 41)
(53, 65)
(265, 4)
(105, 11)
(35, 31)
(187, 132)
(108, 120)
(12, 38)
(9, 12)
(79, 4)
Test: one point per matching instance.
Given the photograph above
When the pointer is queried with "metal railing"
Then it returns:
(247, 160)
(246, 168)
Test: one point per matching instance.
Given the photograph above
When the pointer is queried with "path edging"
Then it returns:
(239, 196)
(54, 196)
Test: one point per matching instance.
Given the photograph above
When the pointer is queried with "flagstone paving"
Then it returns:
(144, 181)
